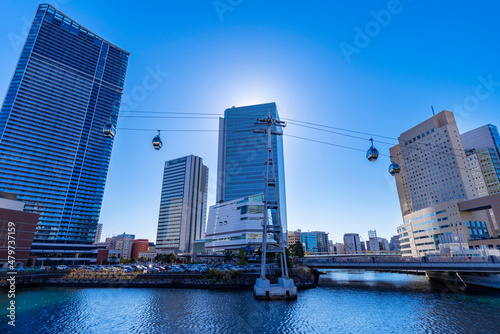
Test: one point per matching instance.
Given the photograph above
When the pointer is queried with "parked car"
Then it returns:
(62, 267)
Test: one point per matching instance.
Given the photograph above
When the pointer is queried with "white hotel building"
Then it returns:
(435, 177)
(235, 224)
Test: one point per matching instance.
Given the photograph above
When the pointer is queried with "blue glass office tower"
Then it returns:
(242, 155)
(67, 84)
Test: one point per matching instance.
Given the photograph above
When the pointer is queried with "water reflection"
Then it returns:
(346, 302)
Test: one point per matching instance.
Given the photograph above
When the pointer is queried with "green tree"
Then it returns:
(242, 254)
(171, 257)
(297, 250)
(288, 258)
(270, 257)
(229, 255)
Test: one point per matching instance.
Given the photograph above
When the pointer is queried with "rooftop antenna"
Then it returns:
(433, 113)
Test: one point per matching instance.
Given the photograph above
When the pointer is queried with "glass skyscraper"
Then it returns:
(67, 85)
(183, 206)
(242, 156)
(485, 136)
(483, 151)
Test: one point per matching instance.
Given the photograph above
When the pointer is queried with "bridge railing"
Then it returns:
(367, 259)
(455, 259)
(397, 259)
(352, 259)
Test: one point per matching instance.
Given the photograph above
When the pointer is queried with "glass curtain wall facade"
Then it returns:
(242, 156)
(183, 206)
(310, 242)
(483, 144)
(67, 84)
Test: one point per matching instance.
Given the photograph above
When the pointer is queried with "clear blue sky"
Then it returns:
(292, 53)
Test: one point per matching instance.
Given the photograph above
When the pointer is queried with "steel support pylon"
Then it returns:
(268, 226)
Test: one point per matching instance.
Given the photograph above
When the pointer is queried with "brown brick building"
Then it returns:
(139, 246)
(23, 229)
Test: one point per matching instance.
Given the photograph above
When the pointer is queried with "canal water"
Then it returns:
(347, 301)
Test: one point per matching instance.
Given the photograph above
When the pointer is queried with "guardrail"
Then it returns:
(479, 264)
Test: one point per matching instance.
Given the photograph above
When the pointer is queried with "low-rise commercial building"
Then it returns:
(294, 237)
(139, 246)
(123, 243)
(235, 224)
(420, 232)
(16, 226)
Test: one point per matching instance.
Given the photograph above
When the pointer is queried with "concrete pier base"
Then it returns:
(284, 290)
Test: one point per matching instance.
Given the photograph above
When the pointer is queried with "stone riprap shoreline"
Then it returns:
(304, 278)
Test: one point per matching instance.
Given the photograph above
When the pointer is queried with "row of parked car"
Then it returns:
(94, 267)
(202, 267)
(154, 268)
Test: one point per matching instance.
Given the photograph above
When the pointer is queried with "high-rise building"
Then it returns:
(477, 173)
(331, 246)
(373, 244)
(315, 242)
(434, 166)
(435, 176)
(383, 244)
(394, 243)
(485, 170)
(483, 151)
(352, 243)
(310, 242)
(183, 205)
(67, 85)
(242, 155)
(486, 136)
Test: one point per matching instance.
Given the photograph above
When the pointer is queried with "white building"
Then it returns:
(121, 242)
(352, 243)
(235, 224)
(435, 176)
(294, 237)
(373, 244)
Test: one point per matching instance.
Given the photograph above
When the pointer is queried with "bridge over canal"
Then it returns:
(474, 271)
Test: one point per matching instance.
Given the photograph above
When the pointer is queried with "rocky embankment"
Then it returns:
(304, 278)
